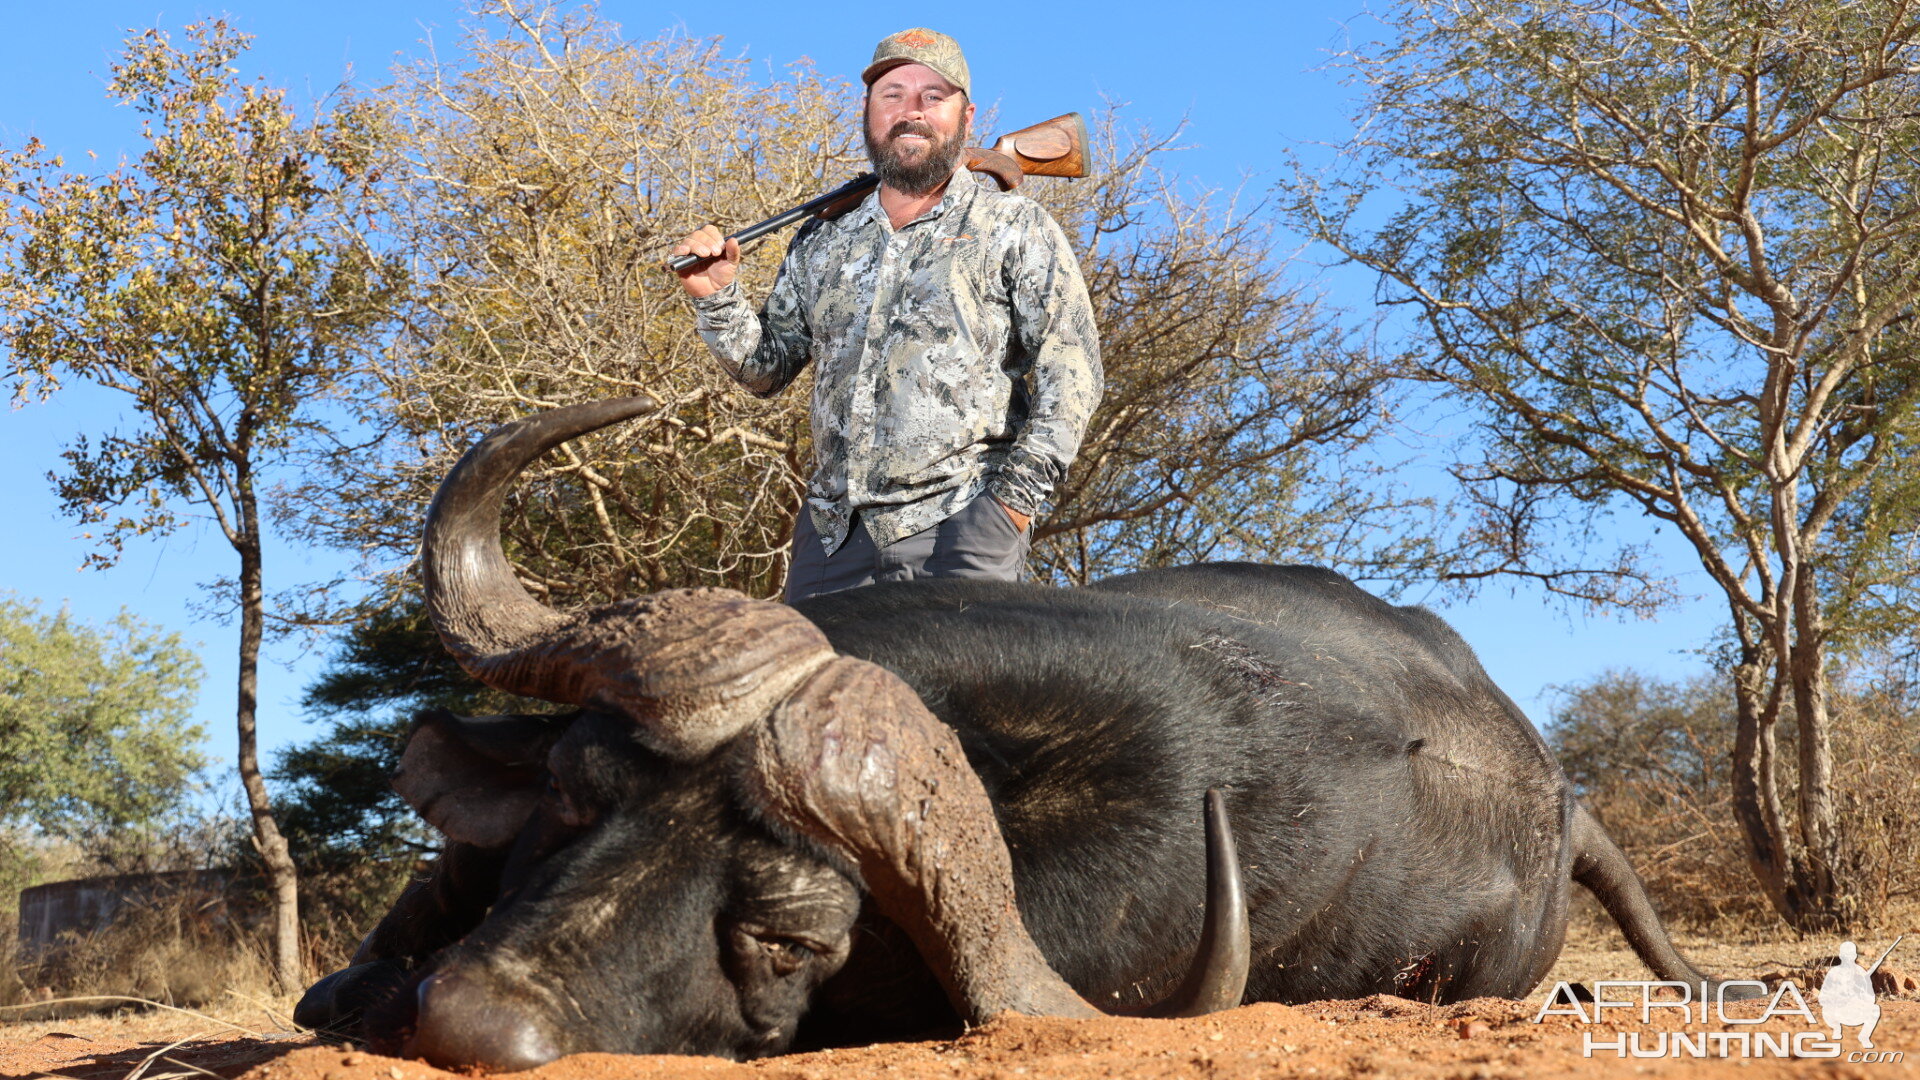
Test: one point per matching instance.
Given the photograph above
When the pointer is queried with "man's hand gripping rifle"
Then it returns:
(1057, 147)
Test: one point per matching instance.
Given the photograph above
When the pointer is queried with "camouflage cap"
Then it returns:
(920, 46)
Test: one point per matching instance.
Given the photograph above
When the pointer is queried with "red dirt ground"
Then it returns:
(1478, 1040)
(1374, 1037)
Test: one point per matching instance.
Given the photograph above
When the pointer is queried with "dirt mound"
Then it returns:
(1378, 1036)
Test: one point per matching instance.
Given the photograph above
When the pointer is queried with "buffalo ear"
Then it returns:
(477, 778)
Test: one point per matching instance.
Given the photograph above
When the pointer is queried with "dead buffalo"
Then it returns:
(902, 806)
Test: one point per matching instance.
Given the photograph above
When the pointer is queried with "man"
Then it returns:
(958, 359)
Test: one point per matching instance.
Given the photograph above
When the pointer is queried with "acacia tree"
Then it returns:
(537, 178)
(216, 284)
(547, 168)
(1671, 252)
(1238, 416)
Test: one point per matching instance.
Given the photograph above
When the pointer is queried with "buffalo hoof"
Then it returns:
(335, 1004)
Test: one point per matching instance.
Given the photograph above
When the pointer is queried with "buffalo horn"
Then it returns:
(854, 761)
(848, 755)
(691, 667)
(1218, 975)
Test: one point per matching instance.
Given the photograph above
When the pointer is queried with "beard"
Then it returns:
(920, 177)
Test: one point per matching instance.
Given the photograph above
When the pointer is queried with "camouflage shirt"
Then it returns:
(956, 355)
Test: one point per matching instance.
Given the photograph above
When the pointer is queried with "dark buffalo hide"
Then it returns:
(1402, 829)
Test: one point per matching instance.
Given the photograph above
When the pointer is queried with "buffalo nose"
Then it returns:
(462, 1025)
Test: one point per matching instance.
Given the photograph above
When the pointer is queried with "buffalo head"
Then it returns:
(678, 864)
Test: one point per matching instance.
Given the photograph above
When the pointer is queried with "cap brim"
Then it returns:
(881, 67)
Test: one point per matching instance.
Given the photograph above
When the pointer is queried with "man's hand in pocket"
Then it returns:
(1020, 520)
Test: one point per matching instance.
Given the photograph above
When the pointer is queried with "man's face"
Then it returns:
(917, 124)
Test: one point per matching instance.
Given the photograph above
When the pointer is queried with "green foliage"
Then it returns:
(392, 658)
(94, 720)
(218, 281)
(222, 283)
(358, 843)
(544, 168)
(1671, 253)
(333, 799)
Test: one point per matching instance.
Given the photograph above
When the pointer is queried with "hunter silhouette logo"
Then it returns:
(1846, 1000)
(1846, 994)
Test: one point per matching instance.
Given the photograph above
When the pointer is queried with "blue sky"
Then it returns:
(1243, 77)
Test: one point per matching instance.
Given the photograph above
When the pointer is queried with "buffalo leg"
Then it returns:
(429, 914)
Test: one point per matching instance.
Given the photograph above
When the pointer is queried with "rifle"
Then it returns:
(1884, 955)
(1057, 147)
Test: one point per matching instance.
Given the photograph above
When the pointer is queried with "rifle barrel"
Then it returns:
(1884, 955)
(860, 184)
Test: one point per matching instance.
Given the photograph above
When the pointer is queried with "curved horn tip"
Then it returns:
(473, 598)
(1217, 979)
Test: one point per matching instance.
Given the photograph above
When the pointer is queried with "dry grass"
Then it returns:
(163, 973)
(182, 951)
(1595, 948)
(199, 952)
(1652, 760)
(123, 1017)
(1593, 951)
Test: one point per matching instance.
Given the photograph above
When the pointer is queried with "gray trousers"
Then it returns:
(980, 541)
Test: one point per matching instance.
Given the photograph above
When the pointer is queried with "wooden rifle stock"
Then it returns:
(1057, 147)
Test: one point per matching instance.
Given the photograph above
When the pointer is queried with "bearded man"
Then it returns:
(957, 356)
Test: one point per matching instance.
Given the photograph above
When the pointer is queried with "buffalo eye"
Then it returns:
(785, 955)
